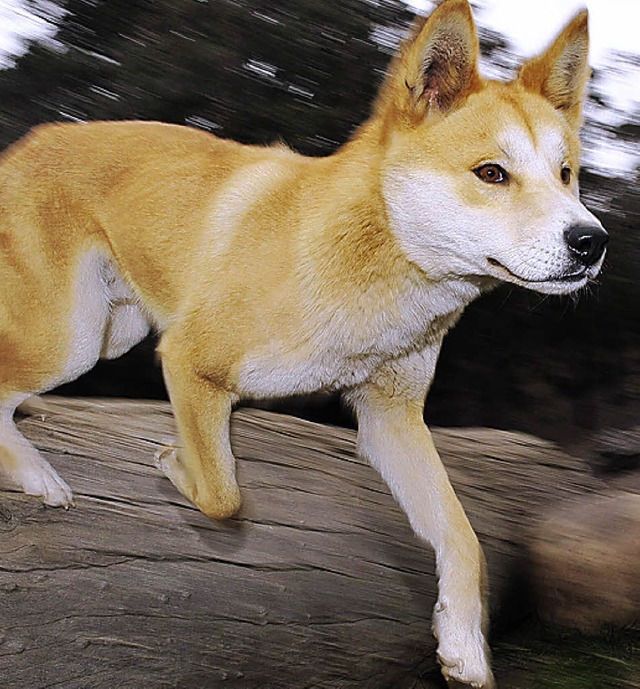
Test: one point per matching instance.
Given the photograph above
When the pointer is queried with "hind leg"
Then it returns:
(24, 465)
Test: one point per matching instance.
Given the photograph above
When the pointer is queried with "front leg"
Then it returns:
(202, 467)
(392, 436)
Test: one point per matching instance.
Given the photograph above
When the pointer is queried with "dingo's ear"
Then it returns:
(561, 72)
(437, 68)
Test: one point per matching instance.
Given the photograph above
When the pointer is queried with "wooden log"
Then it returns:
(318, 582)
(586, 562)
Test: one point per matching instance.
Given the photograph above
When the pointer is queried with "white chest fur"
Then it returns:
(342, 347)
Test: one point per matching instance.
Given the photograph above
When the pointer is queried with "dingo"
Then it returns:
(270, 274)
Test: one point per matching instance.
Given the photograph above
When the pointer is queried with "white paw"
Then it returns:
(462, 672)
(215, 498)
(43, 482)
(462, 649)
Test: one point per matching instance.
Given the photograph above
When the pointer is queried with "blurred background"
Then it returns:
(305, 72)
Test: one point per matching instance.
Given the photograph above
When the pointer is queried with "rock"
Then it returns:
(585, 560)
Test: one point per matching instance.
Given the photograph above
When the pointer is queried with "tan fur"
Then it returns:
(561, 73)
(270, 274)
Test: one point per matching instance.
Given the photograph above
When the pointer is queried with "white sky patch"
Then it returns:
(19, 25)
(531, 24)
(617, 158)
(613, 24)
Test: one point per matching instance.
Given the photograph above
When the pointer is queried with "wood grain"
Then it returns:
(318, 582)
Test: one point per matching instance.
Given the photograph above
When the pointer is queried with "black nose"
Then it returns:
(587, 242)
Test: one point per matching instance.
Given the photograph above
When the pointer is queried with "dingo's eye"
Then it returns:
(565, 175)
(492, 174)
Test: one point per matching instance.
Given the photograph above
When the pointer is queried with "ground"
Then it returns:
(541, 657)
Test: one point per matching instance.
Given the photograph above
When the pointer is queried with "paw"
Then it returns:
(219, 501)
(462, 650)
(461, 672)
(44, 482)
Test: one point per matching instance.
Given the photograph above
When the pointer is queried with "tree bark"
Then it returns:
(318, 582)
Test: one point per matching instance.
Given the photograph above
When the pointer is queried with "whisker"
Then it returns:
(541, 301)
(506, 299)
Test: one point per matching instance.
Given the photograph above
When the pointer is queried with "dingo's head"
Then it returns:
(480, 178)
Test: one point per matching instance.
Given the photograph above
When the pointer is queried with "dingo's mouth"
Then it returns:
(569, 278)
